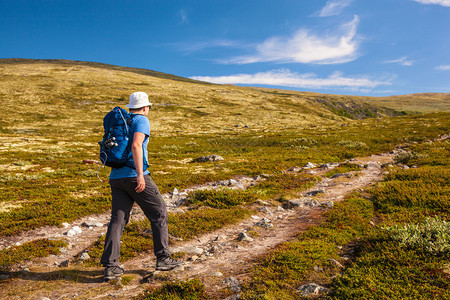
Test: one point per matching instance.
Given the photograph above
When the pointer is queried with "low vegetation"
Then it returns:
(259, 132)
(413, 223)
(137, 239)
(29, 251)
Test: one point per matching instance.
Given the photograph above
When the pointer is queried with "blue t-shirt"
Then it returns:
(139, 123)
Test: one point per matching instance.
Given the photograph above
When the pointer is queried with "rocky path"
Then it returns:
(214, 258)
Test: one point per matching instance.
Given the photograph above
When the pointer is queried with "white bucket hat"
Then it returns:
(138, 100)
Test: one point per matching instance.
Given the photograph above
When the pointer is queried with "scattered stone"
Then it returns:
(45, 298)
(25, 270)
(295, 169)
(208, 158)
(314, 193)
(4, 276)
(64, 263)
(74, 231)
(237, 125)
(194, 258)
(266, 223)
(18, 244)
(309, 165)
(257, 177)
(65, 225)
(244, 237)
(189, 250)
(255, 217)
(312, 289)
(347, 175)
(234, 297)
(264, 209)
(84, 256)
(175, 191)
(318, 269)
(217, 274)
(336, 263)
(233, 284)
(262, 202)
(327, 204)
(232, 182)
(279, 208)
(302, 202)
(405, 167)
(246, 126)
(91, 223)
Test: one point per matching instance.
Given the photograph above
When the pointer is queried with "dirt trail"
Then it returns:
(215, 256)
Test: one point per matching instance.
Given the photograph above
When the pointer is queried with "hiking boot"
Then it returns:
(167, 263)
(113, 272)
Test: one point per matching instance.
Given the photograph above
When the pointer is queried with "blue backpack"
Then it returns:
(115, 147)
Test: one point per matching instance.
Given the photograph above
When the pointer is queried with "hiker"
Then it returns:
(134, 184)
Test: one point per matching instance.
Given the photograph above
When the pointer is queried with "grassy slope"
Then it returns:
(52, 119)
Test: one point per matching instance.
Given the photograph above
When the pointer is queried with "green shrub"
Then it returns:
(179, 290)
(432, 236)
(30, 250)
(220, 198)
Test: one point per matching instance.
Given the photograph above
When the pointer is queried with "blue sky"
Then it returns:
(353, 47)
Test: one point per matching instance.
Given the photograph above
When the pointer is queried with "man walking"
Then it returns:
(134, 184)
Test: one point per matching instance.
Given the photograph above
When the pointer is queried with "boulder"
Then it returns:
(244, 237)
(302, 202)
(208, 158)
(312, 289)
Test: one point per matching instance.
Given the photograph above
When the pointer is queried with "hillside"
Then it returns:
(300, 176)
(91, 89)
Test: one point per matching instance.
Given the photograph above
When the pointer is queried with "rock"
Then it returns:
(65, 225)
(312, 289)
(233, 284)
(295, 169)
(18, 244)
(336, 263)
(25, 271)
(74, 231)
(193, 258)
(84, 256)
(255, 217)
(217, 274)
(232, 182)
(4, 276)
(314, 193)
(208, 158)
(91, 222)
(302, 202)
(64, 263)
(347, 175)
(45, 298)
(279, 208)
(327, 204)
(175, 191)
(309, 165)
(244, 237)
(189, 250)
(266, 223)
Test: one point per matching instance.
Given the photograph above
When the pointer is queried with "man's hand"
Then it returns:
(140, 184)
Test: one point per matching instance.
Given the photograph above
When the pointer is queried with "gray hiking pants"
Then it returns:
(152, 204)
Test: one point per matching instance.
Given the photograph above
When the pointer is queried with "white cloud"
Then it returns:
(438, 2)
(334, 7)
(402, 61)
(287, 78)
(183, 16)
(198, 46)
(305, 47)
(443, 68)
